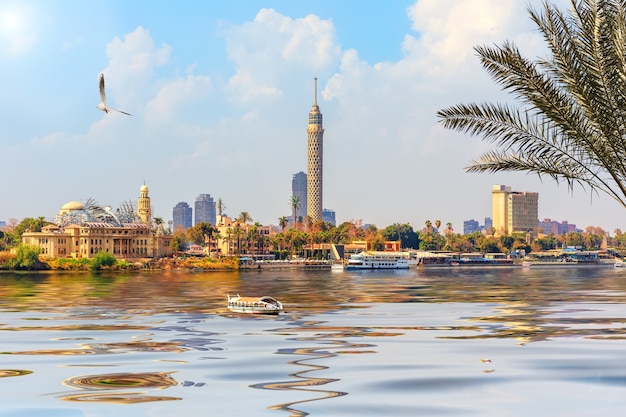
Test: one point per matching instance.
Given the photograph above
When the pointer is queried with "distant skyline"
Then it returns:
(220, 94)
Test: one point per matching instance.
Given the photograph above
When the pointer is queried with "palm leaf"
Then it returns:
(570, 120)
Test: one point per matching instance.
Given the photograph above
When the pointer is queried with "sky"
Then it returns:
(220, 93)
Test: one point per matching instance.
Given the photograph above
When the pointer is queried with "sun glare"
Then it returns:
(10, 21)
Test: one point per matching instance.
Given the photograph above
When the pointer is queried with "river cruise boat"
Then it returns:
(431, 259)
(254, 305)
(378, 260)
(561, 258)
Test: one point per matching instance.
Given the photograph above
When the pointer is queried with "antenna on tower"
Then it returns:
(315, 92)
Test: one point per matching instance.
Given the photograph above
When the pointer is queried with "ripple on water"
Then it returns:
(5, 373)
(117, 381)
(119, 398)
(122, 380)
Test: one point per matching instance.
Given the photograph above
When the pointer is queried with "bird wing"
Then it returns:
(103, 96)
(121, 111)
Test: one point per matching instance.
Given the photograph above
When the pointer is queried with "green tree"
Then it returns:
(507, 242)
(201, 233)
(488, 244)
(102, 259)
(403, 232)
(244, 217)
(570, 121)
(282, 222)
(575, 239)
(294, 203)
(26, 257)
(28, 224)
(179, 240)
(158, 221)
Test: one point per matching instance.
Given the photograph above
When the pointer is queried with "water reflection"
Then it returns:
(4, 373)
(122, 380)
(172, 319)
(116, 381)
(118, 398)
(107, 348)
(333, 339)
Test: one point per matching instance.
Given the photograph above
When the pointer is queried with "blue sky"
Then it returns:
(220, 93)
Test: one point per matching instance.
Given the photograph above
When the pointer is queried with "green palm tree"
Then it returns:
(570, 121)
(294, 203)
(282, 222)
(158, 221)
(244, 217)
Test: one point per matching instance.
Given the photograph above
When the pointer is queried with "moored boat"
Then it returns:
(378, 260)
(254, 305)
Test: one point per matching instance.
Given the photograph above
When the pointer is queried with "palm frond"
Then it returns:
(571, 121)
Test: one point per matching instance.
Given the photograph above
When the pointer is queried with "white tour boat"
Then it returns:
(378, 260)
(255, 305)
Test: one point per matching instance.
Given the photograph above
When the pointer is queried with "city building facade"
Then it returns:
(514, 211)
(299, 189)
(315, 147)
(204, 209)
(554, 227)
(230, 239)
(182, 216)
(83, 230)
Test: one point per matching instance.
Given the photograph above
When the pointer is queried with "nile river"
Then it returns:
(438, 342)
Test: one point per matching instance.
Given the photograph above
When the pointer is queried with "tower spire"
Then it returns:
(315, 91)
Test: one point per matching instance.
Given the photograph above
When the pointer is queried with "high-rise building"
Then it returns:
(182, 215)
(204, 209)
(315, 142)
(298, 189)
(513, 211)
(328, 216)
(470, 226)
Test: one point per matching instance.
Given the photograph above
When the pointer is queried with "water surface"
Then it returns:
(434, 342)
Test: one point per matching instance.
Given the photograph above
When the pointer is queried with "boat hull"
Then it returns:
(249, 305)
(252, 310)
(376, 266)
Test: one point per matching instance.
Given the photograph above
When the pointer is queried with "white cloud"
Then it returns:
(136, 55)
(449, 33)
(176, 97)
(132, 62)
(274, 49)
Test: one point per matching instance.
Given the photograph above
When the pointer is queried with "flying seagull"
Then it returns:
(103, 99)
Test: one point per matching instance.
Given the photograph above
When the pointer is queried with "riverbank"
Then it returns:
(7, 263)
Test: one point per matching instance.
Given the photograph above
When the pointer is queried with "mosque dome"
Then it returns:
(144, 188)
(72, 205)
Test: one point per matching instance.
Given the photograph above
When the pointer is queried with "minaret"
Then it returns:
(315, 136)
(143, 206)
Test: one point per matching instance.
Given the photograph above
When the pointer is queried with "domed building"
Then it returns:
(83, 230)
(71, 206)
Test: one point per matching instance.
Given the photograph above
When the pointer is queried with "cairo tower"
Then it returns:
(315, 136)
